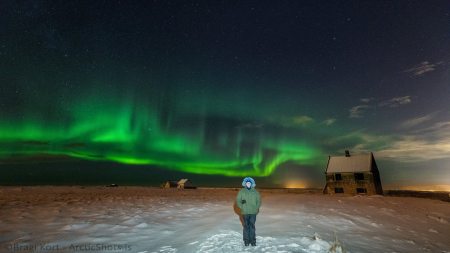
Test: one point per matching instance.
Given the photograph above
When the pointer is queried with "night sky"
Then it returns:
(116, 91)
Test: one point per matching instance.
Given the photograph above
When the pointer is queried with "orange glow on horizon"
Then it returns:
(432, 188)
(295, 184)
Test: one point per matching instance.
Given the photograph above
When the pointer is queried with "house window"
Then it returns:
(338, 190)
(359, 176)
(338, 177)
(361, 190)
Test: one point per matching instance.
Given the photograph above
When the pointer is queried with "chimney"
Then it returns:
(347, 153)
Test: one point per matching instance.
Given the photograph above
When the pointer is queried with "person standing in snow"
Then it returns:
(249, 201)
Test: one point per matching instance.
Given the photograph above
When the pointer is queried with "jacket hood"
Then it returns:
(248, 179)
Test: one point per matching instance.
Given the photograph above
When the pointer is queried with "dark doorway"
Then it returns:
(361, 190)
(338, 190)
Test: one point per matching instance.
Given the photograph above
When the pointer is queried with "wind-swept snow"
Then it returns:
(139, 219)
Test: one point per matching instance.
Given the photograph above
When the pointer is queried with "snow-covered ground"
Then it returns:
(140, 219)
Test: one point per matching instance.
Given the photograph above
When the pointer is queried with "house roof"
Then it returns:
(353, 163)
(182, 181)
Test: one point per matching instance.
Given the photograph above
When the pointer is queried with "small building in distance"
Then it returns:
(170, 184)
(185, 184)
(181, 184)
(353, 174)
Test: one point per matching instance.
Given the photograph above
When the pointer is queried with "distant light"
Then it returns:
(431, 188)
(295, 184)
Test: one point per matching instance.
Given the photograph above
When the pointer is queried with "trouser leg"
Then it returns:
(251, 228)
(246, 228)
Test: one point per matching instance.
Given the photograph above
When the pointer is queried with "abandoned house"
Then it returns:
(353, 174)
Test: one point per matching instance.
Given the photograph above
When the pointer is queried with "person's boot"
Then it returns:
(246, 243)
(253, 243)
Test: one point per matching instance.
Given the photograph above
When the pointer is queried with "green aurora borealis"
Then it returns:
(96, 92)
(109, 128)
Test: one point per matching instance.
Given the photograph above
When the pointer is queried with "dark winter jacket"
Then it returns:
(248, 200)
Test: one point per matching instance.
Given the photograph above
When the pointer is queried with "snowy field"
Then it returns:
(140, 219)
